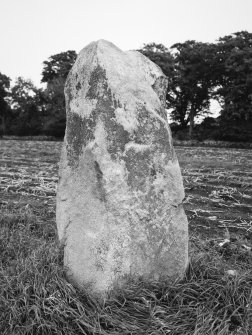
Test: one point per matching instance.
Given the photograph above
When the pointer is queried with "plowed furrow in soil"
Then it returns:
(218, 183)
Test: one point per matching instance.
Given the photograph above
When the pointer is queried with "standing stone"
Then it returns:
(120, 193)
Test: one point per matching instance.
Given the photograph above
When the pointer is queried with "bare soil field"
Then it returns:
(218, 187)
(218, 184)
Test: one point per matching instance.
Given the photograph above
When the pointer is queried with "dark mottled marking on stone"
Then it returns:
(97, 82)
(74, 137)
(101, 193)
(99, 173)
(153, 172)
(68, 94)
(117, 136)
(81, 130)
(137, 165)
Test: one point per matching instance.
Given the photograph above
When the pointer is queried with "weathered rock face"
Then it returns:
(119, 200)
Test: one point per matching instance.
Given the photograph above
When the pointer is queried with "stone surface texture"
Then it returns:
(120, 192)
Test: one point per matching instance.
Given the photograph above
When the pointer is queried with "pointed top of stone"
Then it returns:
(131, 77)
(101, 43)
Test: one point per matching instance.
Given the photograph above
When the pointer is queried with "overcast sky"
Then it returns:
(33, 30)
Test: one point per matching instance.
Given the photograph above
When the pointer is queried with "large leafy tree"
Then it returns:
(54, 74)
(58, 65)
(4, 106)
(233, 75)
(26, 107)
(191, 84)
(188, 68)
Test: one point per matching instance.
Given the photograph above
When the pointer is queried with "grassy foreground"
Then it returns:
(36, 299)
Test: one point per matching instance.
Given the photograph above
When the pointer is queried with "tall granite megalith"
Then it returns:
(120, 193)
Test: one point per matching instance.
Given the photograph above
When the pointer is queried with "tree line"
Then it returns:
(197, 72)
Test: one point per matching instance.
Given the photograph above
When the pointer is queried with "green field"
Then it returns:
(36, 299)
